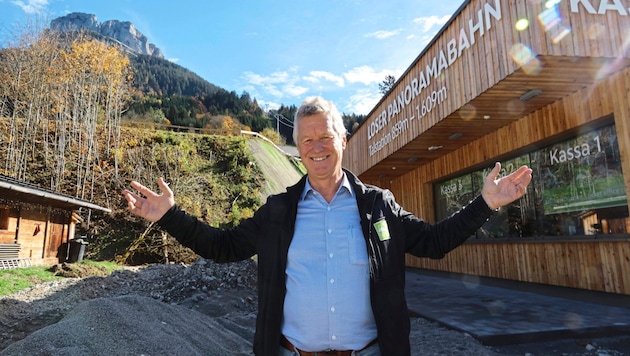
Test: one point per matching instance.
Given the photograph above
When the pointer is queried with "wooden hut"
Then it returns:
(36, 224)
(542, 83)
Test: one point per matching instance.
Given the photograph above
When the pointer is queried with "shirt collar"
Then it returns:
(345, 184)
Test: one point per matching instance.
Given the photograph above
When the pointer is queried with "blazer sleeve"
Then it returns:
(220, 245)
(424, 239)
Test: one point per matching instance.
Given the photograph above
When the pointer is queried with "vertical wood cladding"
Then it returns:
(478, 50)
(583, 64)
(596, 265)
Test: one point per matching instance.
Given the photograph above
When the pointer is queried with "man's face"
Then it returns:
(320, 147)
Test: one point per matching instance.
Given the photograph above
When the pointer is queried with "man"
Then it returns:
(331, 250)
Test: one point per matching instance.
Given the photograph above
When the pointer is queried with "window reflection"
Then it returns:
(577, 190)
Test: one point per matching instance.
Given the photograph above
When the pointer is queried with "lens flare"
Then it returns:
(471, 281)
(552, 23)
(615, 64)
(468, 112)
(521, 24)
(496, 307)
(551, 3)
(515, 107)
(521, 54)
(524, 57)
(573, 321)
(595, 31)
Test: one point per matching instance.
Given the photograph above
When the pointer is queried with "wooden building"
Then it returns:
(37, 221)
(542, 83)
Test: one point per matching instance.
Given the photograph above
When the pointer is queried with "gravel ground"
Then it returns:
(202, 309)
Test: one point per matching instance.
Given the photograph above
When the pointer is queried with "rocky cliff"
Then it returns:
(121, 32)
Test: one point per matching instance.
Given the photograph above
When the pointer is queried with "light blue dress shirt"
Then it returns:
(327, 304)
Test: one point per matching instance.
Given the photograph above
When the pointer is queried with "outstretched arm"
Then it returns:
(150, 205)
(502, 191)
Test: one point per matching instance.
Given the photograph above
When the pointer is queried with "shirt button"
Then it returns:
(332, 309)
(334, 337)
(332, 280)
(331, 255)
(329, 231)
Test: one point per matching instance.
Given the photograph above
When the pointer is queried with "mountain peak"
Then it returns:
(122, 32)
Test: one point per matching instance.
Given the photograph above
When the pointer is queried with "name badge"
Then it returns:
(382, 230)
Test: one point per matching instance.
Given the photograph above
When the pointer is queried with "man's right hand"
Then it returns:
(149, 205)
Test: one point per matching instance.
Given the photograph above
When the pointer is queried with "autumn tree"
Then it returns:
(60, 96)
(91, 91)
(273, 136)
(27, 69)
(230, 127)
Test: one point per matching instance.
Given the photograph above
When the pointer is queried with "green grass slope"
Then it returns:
(279, 169)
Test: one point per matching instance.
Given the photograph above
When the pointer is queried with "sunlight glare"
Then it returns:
(521, 24)
(551, 3)
(551, 21)
(468, 112)
(524, 57)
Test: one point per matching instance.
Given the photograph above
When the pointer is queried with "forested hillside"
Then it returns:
(158, 76)
(172, 94)
(166, 92)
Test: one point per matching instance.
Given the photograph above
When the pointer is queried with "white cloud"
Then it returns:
(278, 85)
(316, 75)
(32, 6)
(366, 75)
(427, 23)
(294, 90)
(269, 105)
(271, 90)
(285, 86)
(273, 78)
(362, 102)
(381, 35)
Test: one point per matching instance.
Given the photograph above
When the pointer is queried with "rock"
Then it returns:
(122, 32)
(74, 22)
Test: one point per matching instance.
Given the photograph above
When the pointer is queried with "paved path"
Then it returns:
(499, 312)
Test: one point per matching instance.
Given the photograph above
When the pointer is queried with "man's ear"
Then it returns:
(343, 142)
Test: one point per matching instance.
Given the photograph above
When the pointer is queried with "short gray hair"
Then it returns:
(317, 105)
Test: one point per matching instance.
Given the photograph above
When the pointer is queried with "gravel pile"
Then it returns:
(202, 309)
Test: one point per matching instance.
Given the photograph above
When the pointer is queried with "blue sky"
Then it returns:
(279, 51)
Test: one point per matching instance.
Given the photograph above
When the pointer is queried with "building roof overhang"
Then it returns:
(12, 189)
(497, 107)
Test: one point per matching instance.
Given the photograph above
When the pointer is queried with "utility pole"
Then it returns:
(285, 121)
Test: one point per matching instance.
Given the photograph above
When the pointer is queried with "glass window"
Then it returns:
(453, 194)
(578, 189)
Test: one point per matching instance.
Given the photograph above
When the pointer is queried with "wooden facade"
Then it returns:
(40, 221)
(463, 105)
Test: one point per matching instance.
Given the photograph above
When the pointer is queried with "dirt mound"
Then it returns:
(224, 291)
(134, 325)
(74, 270)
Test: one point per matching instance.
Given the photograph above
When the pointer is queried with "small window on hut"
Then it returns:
(4, 218)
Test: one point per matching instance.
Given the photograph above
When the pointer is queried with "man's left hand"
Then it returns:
(502, 191)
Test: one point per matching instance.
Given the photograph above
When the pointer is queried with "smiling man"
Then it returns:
(331, 250)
